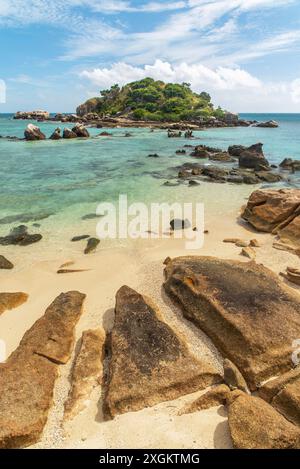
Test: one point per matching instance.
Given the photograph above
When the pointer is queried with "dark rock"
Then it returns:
(268, 176)
(269, 124)
(180, 152)
(68, 133)
(215, 172)
(80, 131)
(105, 134)
(5, 263)
(91, 245)
(149, 362)
(193, 183)
(253, 157)
(177, 224)
(221, 156)
(236, 150)
(200, 152)
(56, 134)
(32, 132)
(153, 155)
(239, 306)
(20, 236)
(290, 164)
(79, 238)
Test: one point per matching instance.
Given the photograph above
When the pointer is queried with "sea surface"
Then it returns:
(56, 183)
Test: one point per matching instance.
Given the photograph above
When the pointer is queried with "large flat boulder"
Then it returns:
(28, 376)
(277, 212)
(254, 424)
(87, 371)
(150, 362)
(239, 306)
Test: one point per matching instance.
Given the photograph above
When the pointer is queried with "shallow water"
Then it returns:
(55, 183)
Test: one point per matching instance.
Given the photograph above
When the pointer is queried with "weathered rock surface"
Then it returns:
(56, 134)
(277, 212)
(5, 263)
(239, 306)
(292, 275)
(87, 371)
(253, 157)
(270, 389)
(91, 245)
(290, 164)
(221, 156)
(11, 300)
(149, 362)
(20, 236)
(287, 401)
(254, 424)
(269, 124)
(32, 132)
(81, 131)
(214, 397)
(236, 150)
(27, 378)
(68, 133)
(233, 377)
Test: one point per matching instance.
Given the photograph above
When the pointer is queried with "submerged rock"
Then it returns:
(20, 236)
(239, 306)
(91, 245)
(28, 376)
(5, 263)
(11, 300)
(87, 371)
(149, 362)
(32, 132)
(254, 424)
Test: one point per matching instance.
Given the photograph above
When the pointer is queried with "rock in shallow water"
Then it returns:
(20, 236)
(149, 362)
(32, 132)
(91, 245)
(239, 306)
(5, 263)
(27, 378)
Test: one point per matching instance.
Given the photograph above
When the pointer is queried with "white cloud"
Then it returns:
(198, 75)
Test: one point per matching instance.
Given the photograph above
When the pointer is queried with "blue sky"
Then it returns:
(56, 54)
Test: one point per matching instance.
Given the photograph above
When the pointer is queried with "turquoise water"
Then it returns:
(68, 178)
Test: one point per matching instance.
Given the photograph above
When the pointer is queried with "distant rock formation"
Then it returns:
(36, 115)
(269, 124)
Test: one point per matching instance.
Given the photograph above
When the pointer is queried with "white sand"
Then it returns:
(140, 266)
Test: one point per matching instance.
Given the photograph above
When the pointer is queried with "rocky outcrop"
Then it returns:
(80, 131)
(269, 124)
(40, 115)
(5, 263)
(32, 132)
(149, 362)
(20, 236)
(68, 133)
(239, 306)
(11, 300)
(277, 212)
(222, 156)
(236, 150)
(254, 424)
(56, 134)
(28, 376)
(90, 106)
(216, 396)
(87, 371)
(253, 157)
(290, 164)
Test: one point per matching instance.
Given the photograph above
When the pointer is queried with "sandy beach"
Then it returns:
(140, 266)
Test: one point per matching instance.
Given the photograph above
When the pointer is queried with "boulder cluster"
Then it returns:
(32, 132)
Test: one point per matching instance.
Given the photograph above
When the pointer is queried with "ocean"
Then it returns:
(55, 183)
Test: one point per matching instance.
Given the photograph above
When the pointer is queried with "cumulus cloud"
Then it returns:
(198, 75)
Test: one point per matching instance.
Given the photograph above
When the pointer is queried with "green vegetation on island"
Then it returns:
(151, 100)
